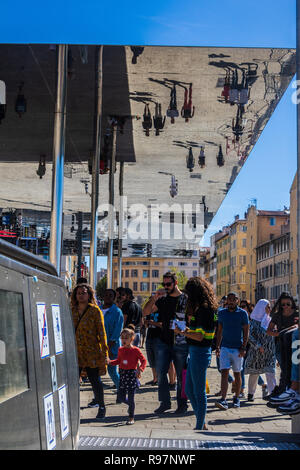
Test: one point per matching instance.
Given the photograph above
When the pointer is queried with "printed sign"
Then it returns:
(63, 410)
(50, 422)
(43, 330)
(59, 348)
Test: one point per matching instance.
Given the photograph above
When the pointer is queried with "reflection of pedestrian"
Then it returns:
(187, 110)
(147, 120)
(237, 126)
(226, 88)
(172, 111)
(158, 121)
(137, 50)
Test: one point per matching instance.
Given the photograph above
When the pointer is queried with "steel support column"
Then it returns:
(58, 159)
(121, 214)
(96, 170)
(111, 214)
(296, 418)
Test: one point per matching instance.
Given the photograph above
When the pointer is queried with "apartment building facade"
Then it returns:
(223, 265)
(262, 226)
(273, 266)
(144, 275)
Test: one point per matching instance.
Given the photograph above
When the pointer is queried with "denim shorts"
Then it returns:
(230, 358)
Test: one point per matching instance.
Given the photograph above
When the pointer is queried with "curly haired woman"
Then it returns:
(91, 341)
(200, 312)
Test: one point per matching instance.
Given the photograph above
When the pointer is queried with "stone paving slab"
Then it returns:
(253, 420)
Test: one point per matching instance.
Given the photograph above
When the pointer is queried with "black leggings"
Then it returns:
(94, 378)
(129, 401)
(285, 341)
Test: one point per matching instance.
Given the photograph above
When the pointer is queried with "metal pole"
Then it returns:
(121, 212)
(111, 209)
(298, 126)
(58, 159)
(79, 244)
(296, 418)
(96, 170)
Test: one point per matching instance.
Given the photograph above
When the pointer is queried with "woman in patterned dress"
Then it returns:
(91, 341)
(261, 358)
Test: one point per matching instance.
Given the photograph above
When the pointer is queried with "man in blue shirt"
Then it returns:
(113, 322)
(232, 336)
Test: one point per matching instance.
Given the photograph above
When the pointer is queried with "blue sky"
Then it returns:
(267, 175)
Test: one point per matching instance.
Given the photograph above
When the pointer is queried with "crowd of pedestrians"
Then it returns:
(180, 329)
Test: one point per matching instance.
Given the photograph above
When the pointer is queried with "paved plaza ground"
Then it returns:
(253, 421)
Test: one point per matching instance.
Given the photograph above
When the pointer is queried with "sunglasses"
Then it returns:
(286, 305)
(167, 284)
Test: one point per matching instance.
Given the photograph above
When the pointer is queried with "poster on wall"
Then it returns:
(63, 410)
(43, 330)
(50, 421)
(58, 339)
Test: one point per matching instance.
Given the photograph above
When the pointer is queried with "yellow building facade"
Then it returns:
(262, 226)
(223, 265)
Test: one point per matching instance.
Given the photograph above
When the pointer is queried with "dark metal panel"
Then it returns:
(19, 416)
(42, 292)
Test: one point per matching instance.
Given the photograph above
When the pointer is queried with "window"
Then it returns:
(144, 286)
(134, 273)
(13, 360)
(135, 286)
(145, 273)
(272, 221)
(155, 273)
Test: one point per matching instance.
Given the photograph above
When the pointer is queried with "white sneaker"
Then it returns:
(291, 407)
(284, 396)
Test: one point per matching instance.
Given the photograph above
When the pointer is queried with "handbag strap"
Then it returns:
(81, 317)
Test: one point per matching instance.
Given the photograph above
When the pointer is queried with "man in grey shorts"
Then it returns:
(232, 336)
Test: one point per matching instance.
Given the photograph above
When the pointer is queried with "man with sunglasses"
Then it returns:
(170, 304)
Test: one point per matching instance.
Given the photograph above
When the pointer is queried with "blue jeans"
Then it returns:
(195, 386)
(164, 354)
(137, 337)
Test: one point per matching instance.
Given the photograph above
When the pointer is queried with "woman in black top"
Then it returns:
(284, 319)
(200, 312)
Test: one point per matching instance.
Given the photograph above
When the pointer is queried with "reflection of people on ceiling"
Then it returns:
(147, 120)
(226, 88)
(234, 92)
(172, 110)
(158, 120)
(244, 90)
(237, 125)
(137, 50)
(187, 110)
